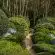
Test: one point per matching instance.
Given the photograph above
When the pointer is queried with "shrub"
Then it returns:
(3, 22)
(46, 47)
(42, 36)
(21, 24)
(51, 20)
(11, 48)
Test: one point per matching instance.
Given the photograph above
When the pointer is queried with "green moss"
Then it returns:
(47, 47)
(11, 48)
(21, 24)
(51, 20)
(42, 37)
(53, 32)
(41, 34)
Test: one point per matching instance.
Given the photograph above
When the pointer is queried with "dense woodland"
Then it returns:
(27, 27)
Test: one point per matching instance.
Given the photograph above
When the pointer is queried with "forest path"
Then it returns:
(28, 44)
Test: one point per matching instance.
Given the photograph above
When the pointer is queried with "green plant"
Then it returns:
(51, 20)
(11, 48)
(42, 36)
(46, 47)
(3, 22)
(21, 24)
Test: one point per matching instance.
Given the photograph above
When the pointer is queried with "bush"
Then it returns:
(21, 24)
(3, 22)
(51, 20)
(11, 48)
(43, 31)
(42, 36)
(46, 47)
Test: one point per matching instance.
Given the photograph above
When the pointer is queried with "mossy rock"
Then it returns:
(3, 22)
(21, 24)
(12, 48)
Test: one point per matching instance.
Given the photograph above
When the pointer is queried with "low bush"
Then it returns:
(21, 24)
(41, 34)
(11, 48)
(46, 47)
(51, 20)
(3, 22)
(44, 33)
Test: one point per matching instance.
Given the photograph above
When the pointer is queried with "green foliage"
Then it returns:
(53, 32)
(47, 47)
(11, 48)
(21, 24)
(46, 25)
(42, 36)
(51, 20)
(3, 22)
(9, 45)
(43, 29)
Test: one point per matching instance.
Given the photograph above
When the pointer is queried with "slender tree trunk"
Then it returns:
(3, 3)
(20, 6)
(14, 8)
(46, 10)
(26, 8)
(9, 7)
(7, 3)
(23, 2)
(17, 7)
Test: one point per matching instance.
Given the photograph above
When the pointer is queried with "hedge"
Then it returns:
(21, 24)
(12, 48)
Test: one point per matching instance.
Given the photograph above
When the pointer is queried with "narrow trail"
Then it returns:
(28, 44)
